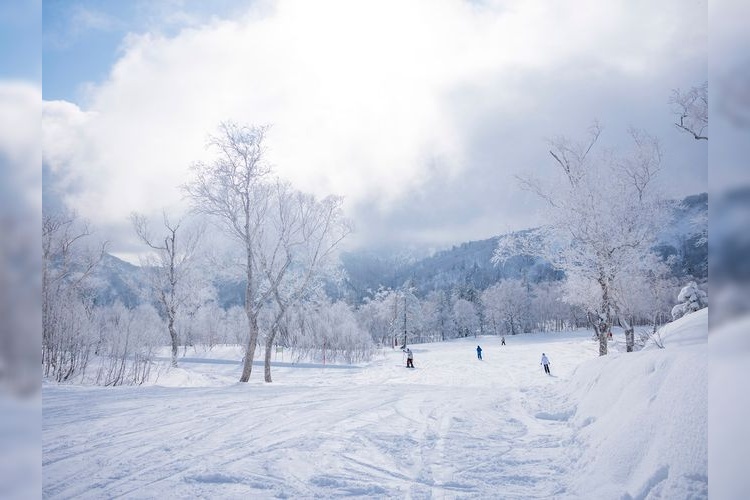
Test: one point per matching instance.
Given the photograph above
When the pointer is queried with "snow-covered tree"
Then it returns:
(643, 295)
(295, 249)
(169, 267)
(326, 331)
(128, 339)
(287, 237)
(465, 318)
(690, 299)
(392, 316)
(507, 307)
(68, 262)
(409, 321)
(602, 220)
(549, 312)
(375, 315)
(231, 189)
(203, 321)
(691, 110)
(235, 325)
(438, 316)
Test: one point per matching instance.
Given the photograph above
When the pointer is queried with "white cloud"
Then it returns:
(20, 146)
(361, 96)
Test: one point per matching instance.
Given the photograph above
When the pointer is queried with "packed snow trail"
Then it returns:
(454, 427)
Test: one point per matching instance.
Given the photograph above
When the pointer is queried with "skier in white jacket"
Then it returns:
(545, 363)
(409, 358)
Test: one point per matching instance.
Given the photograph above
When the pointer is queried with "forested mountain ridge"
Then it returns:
(116, 280)
(470, 264)
(466, 265)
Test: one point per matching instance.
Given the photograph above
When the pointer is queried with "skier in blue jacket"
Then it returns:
(479, 353)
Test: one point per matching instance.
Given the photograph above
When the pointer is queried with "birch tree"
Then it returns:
(294, 249)
(231, 189)
(602, 217)
(169, 267)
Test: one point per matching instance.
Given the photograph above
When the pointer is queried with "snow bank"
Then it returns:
(640, 419)
(729, 411)
(20, 435)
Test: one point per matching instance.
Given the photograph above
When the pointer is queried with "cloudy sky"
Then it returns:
(419, 113)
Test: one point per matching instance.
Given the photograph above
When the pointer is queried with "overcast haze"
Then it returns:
(419, 113)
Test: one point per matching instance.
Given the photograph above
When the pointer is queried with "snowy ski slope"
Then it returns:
(628, 425)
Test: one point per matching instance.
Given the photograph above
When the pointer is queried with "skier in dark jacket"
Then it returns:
(479, 353)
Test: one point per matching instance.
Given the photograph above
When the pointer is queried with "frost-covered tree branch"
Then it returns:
(691, 110)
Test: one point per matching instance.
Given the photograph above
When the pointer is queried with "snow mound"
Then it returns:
(729, 347)
(641, 419)
(689, 330)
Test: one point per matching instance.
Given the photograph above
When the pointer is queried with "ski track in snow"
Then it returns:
(454, 427)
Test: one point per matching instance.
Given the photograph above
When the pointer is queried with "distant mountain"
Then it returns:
(684, 240)
(469, 264)
(116, 280)
(464, 266)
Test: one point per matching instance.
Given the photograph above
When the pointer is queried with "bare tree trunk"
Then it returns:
(605, 316)
(630, 339)
(629, 335)
(602, 333)
(269, 349)
(173, 335)
(252, 341)
(252, 314)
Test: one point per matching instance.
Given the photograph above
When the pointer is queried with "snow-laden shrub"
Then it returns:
(691, 299)
(327, 331)
(69, 334)
(128, 339)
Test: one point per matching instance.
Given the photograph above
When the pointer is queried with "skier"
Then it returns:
(409, 358)
(479, 353)
(545, 363)
(502, 340)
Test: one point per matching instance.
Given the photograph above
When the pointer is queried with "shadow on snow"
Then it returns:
(287, 364)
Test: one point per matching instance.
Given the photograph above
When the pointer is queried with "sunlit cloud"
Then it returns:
(368, 100)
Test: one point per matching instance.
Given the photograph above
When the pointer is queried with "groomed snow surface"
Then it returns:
(628, 425)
